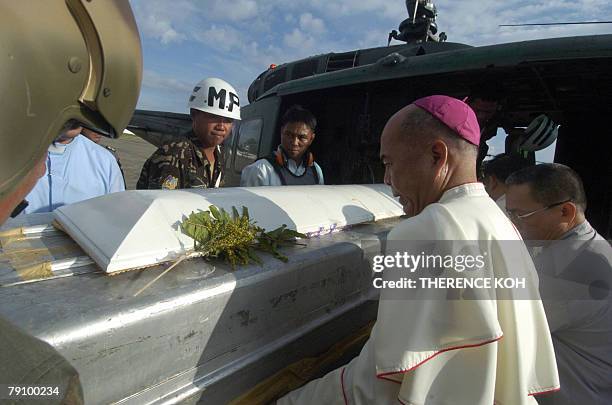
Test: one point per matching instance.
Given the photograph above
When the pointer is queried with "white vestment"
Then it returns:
(501, 203)
(441, 351)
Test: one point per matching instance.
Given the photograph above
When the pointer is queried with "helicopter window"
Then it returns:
(303, 69)
(249, 135)
(339, 61)
(278, 76)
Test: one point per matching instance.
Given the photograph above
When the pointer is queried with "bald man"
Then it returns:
(425, 347)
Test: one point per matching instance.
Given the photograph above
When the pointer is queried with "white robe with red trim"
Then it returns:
(439, 351)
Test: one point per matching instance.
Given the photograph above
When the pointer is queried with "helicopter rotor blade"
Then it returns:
(559, 23)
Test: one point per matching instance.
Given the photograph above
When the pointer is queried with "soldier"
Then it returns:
(196, 162)
(48, 77)
(292, 164)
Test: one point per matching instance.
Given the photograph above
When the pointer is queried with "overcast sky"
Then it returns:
(187, 40)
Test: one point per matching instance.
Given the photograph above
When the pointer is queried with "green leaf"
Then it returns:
(215, 213)
(281, 257)
(275, 233)
(225, 216)
(253, 256)
(295, 234)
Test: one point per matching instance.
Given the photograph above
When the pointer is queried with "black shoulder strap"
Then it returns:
(272, 160)
(315, 173)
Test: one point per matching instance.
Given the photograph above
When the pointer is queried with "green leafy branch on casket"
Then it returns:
(235, 238)
(281, 236)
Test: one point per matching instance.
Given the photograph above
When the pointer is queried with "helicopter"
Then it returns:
(353, 93)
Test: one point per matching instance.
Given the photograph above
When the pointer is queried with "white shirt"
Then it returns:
(261, 173)
(450, 351)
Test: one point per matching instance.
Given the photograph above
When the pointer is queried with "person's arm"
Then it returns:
(116, 156)
(319, 173)
(255, 175)
(161, 171)
(574, 298)
(116, 183)
(143, 179)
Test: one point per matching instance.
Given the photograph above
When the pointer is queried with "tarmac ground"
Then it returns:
(133, 151)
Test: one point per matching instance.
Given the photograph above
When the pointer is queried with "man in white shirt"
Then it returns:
(428, 348)
(496, 171)
(292, 164)
(77, 170)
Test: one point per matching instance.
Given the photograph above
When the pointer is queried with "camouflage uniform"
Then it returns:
(180, 164)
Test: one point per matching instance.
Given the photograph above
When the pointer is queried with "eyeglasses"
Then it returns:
(514, 217)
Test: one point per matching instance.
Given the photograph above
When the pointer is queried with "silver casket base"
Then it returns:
(203, 332)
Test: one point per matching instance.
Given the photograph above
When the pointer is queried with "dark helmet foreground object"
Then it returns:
(61, 61)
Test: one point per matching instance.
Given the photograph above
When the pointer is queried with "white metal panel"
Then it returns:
(136, 229)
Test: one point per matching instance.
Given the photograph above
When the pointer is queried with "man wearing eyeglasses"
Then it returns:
(292, 164)
(547, 203)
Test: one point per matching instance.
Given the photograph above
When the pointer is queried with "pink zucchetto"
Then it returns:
(455, 114)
